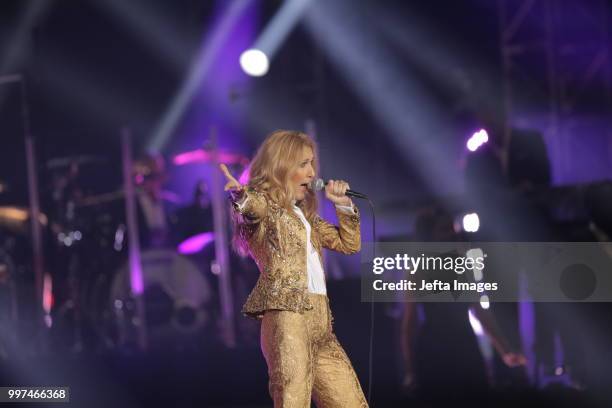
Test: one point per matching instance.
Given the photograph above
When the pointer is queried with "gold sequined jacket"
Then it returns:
(280, 253)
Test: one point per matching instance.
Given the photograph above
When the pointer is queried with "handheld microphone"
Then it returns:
(319, 184)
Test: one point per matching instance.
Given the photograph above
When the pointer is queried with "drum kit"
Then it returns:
(86, 258)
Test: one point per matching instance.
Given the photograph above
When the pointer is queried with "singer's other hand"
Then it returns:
(335, 192)
(232, 184)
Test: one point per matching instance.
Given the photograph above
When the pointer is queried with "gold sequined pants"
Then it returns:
(306, 360)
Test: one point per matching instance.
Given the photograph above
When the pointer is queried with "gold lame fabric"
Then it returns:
(306, 361)
(277, 242)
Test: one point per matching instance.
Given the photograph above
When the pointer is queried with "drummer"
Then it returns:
(154, 204)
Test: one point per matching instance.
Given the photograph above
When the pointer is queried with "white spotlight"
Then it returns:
(475, 323)
(254, 62)
(478, 139)
(471, 222)
(473, 254)
(484, 302)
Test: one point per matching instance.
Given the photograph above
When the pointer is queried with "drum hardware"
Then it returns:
(194, 222)
(16, 219)
(176, 295)
(70, 161)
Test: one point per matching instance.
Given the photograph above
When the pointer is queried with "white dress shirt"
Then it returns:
(316, 277)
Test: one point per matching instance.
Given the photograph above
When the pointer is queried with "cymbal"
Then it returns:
(165, 195)
(16, 218)
(206, 156)
(60, 162)
(100, 199)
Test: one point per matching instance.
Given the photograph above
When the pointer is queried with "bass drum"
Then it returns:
(177, 300)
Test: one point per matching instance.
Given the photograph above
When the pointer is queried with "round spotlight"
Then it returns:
(471, 222)
(254, 62)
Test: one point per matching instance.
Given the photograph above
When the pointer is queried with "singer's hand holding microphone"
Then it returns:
(335, 191)
(319, 184)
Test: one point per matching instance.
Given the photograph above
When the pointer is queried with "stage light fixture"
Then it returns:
(254, 62)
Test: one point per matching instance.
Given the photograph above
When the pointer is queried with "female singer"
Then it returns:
(276, 223)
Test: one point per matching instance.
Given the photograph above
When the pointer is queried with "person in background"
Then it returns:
(439, 348)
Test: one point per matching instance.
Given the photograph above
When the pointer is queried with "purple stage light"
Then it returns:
(244, 177)
(203, 156)
(196, 243)
(136, 279)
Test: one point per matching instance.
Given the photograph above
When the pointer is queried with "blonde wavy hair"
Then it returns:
(274, 163)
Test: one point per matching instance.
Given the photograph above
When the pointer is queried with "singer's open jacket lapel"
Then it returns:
(277, 243)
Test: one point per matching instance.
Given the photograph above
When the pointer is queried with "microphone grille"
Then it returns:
(317, 184)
